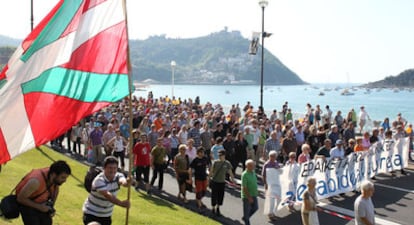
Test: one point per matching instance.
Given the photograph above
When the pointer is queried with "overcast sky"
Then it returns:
(321, 40)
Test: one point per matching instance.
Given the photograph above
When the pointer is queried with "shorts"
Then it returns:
(182, 177)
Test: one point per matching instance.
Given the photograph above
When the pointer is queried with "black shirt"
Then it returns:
(200, 166)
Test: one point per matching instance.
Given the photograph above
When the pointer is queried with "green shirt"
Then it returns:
(249, 181)
(220, 168)
(262, 138)
(249, 138)
(158, 153)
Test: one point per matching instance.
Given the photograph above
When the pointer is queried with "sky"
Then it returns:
(323, 41)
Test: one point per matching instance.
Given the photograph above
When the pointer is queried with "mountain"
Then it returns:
(8, 41)
(404, 79)
(219, 58)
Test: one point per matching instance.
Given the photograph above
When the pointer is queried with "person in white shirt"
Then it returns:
(293, 173)
(338, 151)
(363, 206)
(363, 116)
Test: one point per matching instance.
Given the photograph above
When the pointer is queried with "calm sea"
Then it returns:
(379, 103)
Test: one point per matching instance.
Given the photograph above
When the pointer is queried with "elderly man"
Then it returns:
(249, 191)
(363, 206)
(272, 143)
(271, 182)
(338, 151)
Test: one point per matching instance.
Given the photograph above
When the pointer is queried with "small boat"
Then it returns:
(346, 92)
(227, 92)
(321, 93)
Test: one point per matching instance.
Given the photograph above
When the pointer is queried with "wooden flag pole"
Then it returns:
(131, 137)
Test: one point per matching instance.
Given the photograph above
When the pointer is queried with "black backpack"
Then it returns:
(90, 176)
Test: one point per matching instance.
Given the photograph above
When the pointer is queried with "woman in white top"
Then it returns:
(119, 144)
(183, 134)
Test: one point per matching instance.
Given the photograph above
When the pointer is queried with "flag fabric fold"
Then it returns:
(72, 64)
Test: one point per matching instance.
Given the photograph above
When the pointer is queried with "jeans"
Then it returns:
(249, 209)
(31, 216)
(121, 156)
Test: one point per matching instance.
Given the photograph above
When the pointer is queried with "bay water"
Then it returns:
(379, 103)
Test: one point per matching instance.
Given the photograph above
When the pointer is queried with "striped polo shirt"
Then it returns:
(96, 204)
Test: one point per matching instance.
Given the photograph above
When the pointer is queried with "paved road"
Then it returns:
(393, 200)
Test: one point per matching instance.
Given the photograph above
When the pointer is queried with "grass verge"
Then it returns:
(144, 209)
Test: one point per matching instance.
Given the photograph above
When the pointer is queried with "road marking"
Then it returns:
(350, 213)
(349, 218)
(395, 188)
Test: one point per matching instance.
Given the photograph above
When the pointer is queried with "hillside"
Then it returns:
(219, 58)
(404, 79)
(8, 41)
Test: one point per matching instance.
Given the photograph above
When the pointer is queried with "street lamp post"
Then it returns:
(262, 4)
(173, 64)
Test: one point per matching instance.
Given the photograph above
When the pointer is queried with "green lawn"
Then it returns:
(144, 209)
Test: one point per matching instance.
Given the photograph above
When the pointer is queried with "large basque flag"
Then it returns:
(71, 65)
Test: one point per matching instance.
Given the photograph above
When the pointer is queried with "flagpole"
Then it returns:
(31, 15)
(131, 138)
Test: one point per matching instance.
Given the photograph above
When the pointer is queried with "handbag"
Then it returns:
(188, 186)
(313, 218)
(10, 207)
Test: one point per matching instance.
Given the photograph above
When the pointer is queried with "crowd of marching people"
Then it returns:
(208, 143)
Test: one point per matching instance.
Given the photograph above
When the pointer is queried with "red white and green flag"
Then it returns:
(73, 64)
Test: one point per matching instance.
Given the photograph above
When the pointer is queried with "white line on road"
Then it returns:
(395, 188)
(348, 212)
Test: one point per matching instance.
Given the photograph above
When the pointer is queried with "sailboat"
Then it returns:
(346, 91)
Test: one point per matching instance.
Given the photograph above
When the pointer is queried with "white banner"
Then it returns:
(340, 176)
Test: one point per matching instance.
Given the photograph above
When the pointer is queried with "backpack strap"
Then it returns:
(46, 190)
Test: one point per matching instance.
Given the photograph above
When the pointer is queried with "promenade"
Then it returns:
(161, 116)
(393, 200)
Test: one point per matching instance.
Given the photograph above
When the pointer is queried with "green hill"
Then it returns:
(402, 80)
(144, 209)
(218, 57)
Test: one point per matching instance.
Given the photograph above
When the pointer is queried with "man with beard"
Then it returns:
(37, 193)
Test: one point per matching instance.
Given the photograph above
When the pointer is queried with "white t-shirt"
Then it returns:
(364, 208)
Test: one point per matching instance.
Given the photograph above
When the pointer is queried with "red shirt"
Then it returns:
(142, 152)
